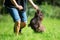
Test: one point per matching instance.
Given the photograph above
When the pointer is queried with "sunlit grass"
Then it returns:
(52, 30)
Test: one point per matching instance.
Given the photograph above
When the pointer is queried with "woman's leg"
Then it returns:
(23, 19)
(15, 15)
(17, 27)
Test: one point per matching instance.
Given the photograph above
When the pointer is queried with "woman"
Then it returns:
(17, 9)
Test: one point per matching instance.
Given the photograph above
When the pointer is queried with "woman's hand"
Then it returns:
(33, 4)
(20, 7)
(36, 7)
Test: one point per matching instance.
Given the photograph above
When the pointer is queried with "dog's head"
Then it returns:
(39, 15)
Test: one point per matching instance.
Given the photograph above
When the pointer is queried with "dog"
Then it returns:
(35, 22)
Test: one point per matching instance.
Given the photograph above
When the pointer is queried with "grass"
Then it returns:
(52, 30)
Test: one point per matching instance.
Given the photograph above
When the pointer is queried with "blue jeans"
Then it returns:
(17, 14)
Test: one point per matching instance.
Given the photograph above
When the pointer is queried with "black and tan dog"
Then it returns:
(35, 22)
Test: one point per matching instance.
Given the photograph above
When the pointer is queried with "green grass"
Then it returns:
(52, 30)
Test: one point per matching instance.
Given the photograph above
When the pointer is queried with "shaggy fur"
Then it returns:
(35, 22)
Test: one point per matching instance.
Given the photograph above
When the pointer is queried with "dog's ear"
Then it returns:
(38, 11)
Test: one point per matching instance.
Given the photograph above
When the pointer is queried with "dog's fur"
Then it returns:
(35, 22)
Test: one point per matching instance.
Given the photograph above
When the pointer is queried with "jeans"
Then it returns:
(17, 14)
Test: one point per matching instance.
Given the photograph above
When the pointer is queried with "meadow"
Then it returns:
(52, 30)
(51, 22)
